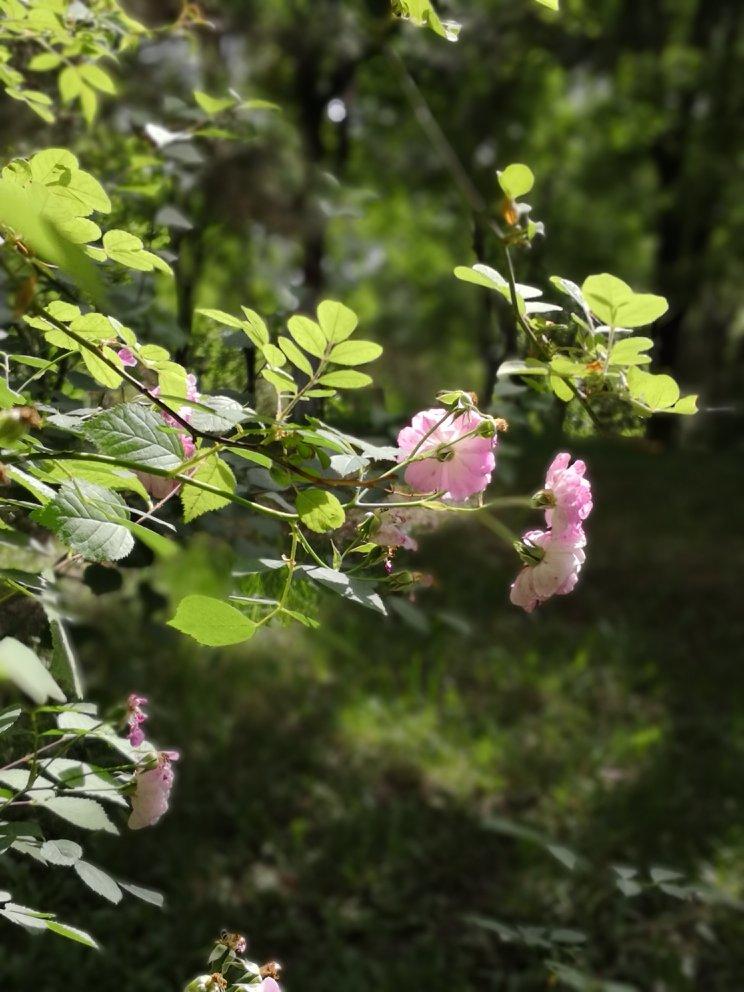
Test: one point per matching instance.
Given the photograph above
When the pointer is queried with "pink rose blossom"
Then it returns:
(152, 791)
(458, 463)
(136, 716)
(570, 494)
(126, 357)
(270, 985)
(554, 574)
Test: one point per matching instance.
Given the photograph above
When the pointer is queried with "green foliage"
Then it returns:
(40, 37)
(211, 621)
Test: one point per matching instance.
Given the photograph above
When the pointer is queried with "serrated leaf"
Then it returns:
(133, 432)
(84, 813)
(308, 335)
(336, 320)
(97, 880)
(146, 895)
(89, 520)
(211, 621)
(319, 510)
(71, 933)
(355, 352)
(345, 379)
(20, 665)
(214, 472)
(221, 413)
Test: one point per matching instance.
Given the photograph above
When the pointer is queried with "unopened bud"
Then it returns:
(544, 499)
(17, 421)
(530, 553)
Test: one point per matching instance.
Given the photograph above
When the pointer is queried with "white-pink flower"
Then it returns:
(569, 494)
(152, 791)
(555, 572)
(458, 461)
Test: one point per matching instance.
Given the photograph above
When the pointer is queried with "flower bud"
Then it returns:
(16, 422)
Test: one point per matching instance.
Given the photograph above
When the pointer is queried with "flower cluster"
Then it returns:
(136, 716)
(553, 558)
(451, 454)
(152, 791)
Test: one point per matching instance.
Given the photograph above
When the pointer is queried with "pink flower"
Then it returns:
(126, 356)
(135, 718)
(270, 985)
(458, 462)
(555, 572)
(152, 791)
(569, 494)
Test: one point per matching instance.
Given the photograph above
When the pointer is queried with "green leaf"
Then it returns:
(255, 327)
(211, 621)
(214, 472)
(355, 352)
(135, 433)
(281, 381)
(84, 813)
(345, 379)
(212, 105)
(320, 510)
(516, 180)
(20, 210)
(336, 321)
(97, 880)
(295, 356)
(687, 406)
(308, 335)
(127, 249)
(641, 309)
(99, 370)
(656, 392)
(215, 414)
(44, 62)
(561, 388)
(8, 716)
(97, 78)
(88, 519)
(71, 933)
(24, 669)
(604, 293)
(146, 895)
(550, 4)
(630, 351)
(221, 317)
(108, 476)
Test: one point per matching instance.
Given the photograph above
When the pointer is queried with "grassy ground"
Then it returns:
(352, 798)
